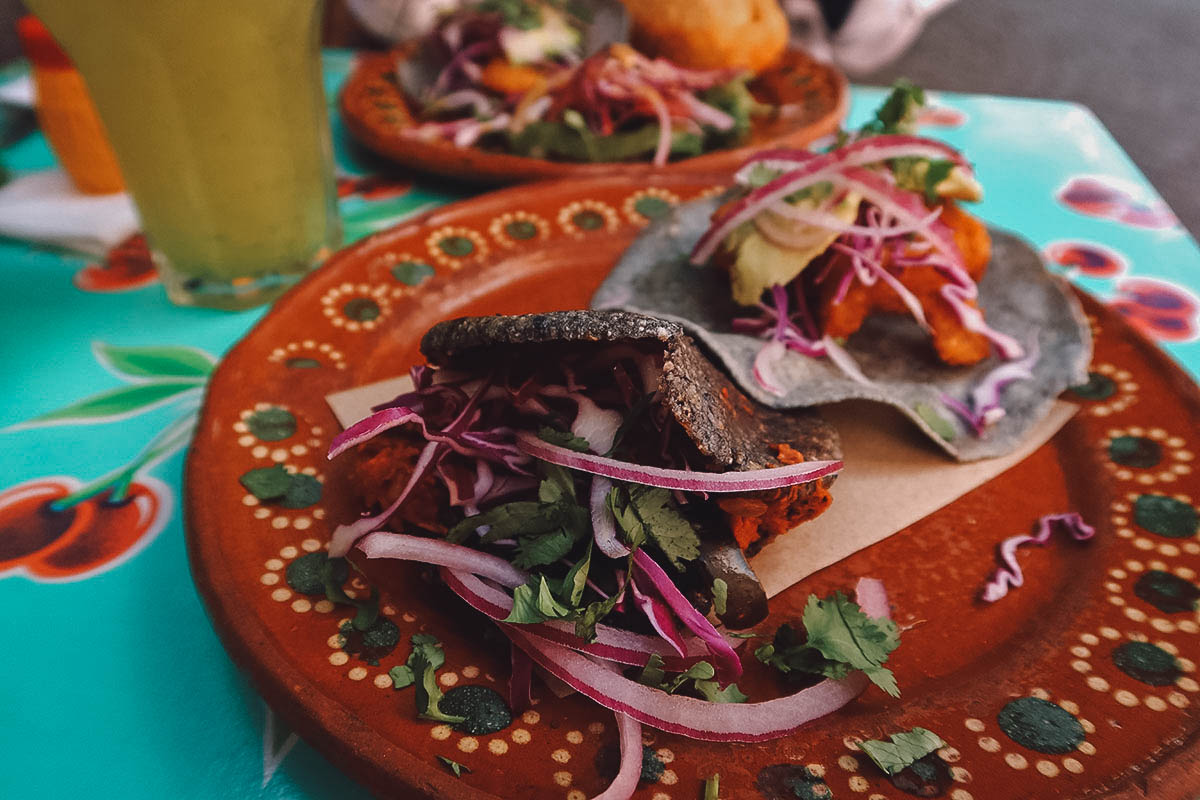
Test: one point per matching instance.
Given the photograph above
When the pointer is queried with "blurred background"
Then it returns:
(1134, 64)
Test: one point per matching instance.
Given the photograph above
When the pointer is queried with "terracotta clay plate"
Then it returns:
(1079, 684)
(812, 99)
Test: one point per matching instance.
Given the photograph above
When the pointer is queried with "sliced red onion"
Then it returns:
(726, 661)
(479, 103)
(814, 170)
(659, 615)
(844, 361)
(985, 398)
(856, 153)
(604, 526)
(370, 427)
(699, 719)
(907, 208)
(1009, 573)
(662, 150)
(823, 219)
(520, 681)
(964, 412)
(746, 481)
(629, 732)
(344, 536)
(764, 366)
(705, 114)
(402, 547)
(597, 426)
(985, 407)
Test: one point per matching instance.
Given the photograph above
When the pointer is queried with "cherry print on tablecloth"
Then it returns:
(126, 267)
(1116, 200)
(49, 542)
(1090, 259)
(61, 528)
(1159, 309)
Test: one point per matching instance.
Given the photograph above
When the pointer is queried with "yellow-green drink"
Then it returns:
(216, 112)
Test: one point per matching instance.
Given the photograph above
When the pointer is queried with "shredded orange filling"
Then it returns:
(503, 76)
(756, 517)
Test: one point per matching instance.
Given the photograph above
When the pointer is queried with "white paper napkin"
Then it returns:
(45, 207)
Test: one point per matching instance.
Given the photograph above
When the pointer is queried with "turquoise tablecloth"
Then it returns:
(113, 684)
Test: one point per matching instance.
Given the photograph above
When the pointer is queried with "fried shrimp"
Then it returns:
(710, 34)
(954, 344)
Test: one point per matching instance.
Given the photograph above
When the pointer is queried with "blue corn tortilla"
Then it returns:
(1017, 294)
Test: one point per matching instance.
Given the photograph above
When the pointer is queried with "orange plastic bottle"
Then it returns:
(66, 114)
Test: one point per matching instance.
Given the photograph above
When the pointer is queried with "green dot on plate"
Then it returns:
(1168, 593)
(271, 424)
(456, 246)
(484, 709)
(1040, 725)
(302, 363)
(1147, 663)
(588, 220)
(302, 492)
(1135, 451)
(1166, 516)
(412, 273)
(306, 574)
(361, 309)
(651, 207)
(1098, 387)
(521, 229)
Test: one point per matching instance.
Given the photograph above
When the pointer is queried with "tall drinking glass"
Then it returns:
(216, 112)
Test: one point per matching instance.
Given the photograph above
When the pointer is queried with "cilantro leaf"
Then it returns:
(626, 518)
(535, 602)
(428, 693)
(720, 595)
(715, 694)
(540, 551)
(903, 750)
(424, 646)
(642, 511)
(839, 629)
(840, 638)
(576, 579)
(585, 622)
(700, 674)
(548, 604)
(455, 767)
(937, 172)
(563, 439)
(368, 610)
(653, 673)
(402, 676)
(898, 114)
(557, 483)
(523, 518)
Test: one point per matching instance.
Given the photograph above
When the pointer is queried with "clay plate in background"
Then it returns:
(960, 663)
(813, 98)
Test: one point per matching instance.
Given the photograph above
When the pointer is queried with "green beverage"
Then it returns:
(216, 112)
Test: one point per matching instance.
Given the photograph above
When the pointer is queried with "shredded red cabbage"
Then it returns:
(1008, 574)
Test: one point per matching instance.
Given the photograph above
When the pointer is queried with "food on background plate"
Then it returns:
(868, 280)
(710, 34)
(589, 481)
(512, 75)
